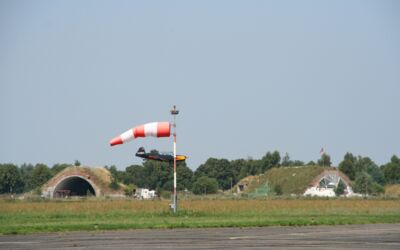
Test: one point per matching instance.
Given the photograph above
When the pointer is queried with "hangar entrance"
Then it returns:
(73, 186)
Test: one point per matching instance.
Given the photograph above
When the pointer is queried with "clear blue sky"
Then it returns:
(248, 77)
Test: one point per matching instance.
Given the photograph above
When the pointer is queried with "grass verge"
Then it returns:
(22, 217)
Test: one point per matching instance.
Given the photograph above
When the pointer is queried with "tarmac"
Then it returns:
(372, 236)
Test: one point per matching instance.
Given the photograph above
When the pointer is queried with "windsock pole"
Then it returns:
(175, 112)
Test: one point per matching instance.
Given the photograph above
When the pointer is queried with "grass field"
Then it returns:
(55, 216)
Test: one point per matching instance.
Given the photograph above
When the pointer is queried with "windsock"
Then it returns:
(154, 129)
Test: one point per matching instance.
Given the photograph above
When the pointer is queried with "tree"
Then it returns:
(40, 175)
(339, 190)
(240, 168)
(220, 169)
(352, 166)
(205, 185)
(275, 159)
(26, 171)
(270, 160)
(77, 163)
(184, 176)
(376, 189)
(364, 184)
(325, 160)
(255, 167)
(10, 179)
(363, 180)
(311, 163)
(59, 167)
(114, 172)
(347, 165)
(298, 163)
(134, 174)
(156, 174)
(392, 170)
(373, 170)
(286, 161)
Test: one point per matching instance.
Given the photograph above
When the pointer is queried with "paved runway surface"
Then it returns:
(380, 236)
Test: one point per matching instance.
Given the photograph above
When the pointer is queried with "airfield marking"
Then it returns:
(243, 237)
(18, 242)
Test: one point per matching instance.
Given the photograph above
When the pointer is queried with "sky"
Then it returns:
(247, 76)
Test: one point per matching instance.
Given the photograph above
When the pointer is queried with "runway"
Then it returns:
(377, 236)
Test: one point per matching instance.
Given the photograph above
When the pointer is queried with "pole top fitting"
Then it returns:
(174, 111)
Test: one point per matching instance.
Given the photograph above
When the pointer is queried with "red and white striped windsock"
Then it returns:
(154, 129)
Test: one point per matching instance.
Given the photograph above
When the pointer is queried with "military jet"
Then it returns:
(159, 157)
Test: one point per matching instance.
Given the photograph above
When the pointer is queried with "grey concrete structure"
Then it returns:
(81, 181)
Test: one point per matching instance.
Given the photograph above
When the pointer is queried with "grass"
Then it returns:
(392, 190)
(21, 217)
(292, 180)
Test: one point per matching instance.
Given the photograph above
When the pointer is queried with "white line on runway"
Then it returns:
(243, 237)
(18, 242)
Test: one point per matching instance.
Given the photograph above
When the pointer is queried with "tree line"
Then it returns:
(212, 175)
(27, 177)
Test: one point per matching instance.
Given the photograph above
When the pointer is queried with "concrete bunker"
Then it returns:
(82, 181)
(74, 186)
(295, 181)
(326, 183)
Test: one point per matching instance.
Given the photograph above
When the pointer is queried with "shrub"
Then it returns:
(130, 190)
(114, 184)
(278, 189)
(339, 190)
(205, 185)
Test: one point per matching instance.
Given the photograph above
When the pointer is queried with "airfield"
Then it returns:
(378, 236)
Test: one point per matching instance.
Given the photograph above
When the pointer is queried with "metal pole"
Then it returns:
(174, 112)
(175, 195)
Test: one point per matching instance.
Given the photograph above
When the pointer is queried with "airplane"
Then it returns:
(159, 157)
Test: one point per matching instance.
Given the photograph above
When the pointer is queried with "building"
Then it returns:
(82, 181)
(295, 181)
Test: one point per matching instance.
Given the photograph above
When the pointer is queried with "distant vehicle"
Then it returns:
(145, 194)
(159, 157)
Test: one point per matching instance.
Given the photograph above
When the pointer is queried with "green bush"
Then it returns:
(205, 185)
(130, 190)
(364, 184)
(114, 184)
(278, 189)
(339, 190)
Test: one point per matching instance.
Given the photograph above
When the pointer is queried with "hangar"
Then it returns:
(326, 182)
(81, 181)
(295, 181)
